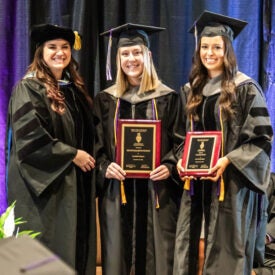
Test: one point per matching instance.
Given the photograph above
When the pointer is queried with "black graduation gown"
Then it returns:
(50, 191)
(235, 227)
(137, 237)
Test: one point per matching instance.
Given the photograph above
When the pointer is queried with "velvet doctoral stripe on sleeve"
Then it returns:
(40, 155)
(251, 155)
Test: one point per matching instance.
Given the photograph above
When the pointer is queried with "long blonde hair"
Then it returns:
(149, 77)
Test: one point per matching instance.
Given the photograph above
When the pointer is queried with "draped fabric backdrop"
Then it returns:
(172, 49)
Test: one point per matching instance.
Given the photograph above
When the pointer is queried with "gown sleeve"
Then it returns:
(174, 130)
(252, 155)
(40, 157)
(104, 139)
(182, 120)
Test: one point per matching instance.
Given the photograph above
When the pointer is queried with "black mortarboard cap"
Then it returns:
(131, 34)
(214, 24)
(45, 32)
(128, 34)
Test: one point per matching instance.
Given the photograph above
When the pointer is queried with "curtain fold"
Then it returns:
(172, 49)
(14, 57)
(268, 72)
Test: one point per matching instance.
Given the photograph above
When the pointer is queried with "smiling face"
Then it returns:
(132, 63)
(57, 55)
(212, 51)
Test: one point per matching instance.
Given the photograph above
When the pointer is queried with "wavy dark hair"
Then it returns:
(45, 75)
(198, 78)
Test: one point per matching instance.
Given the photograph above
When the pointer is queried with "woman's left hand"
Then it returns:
(160, 173)
(218, 169)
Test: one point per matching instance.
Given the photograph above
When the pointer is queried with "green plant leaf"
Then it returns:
(30, 233)
(17, 221)
(6, 214)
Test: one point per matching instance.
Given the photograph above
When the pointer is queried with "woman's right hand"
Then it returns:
(84, 161)
(181, 170)
(114, 171)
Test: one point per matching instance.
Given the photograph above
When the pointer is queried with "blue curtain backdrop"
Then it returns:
(268, 70)
(172, 49)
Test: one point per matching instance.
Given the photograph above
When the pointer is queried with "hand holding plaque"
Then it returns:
(201, 152)
(138, 146)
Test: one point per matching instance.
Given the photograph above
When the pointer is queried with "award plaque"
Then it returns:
(138, 146)
(201, 152)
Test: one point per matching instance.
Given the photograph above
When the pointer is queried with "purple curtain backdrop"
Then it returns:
(254, 47)
(269, 65)
(14, 59)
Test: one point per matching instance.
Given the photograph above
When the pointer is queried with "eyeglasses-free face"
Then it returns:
(132, 63)
(57, 55)
(212, 54)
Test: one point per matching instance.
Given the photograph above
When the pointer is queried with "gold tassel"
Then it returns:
(157, 206)
(221, 197)
(122, 192)
(77, 41)
(187, 184)
(157, 201)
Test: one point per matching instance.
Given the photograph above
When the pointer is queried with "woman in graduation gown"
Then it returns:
(50, 150)
(138, 222)
(227, 208)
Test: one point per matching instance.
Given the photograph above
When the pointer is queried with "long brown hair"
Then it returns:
(199, 76)
(45, 75)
